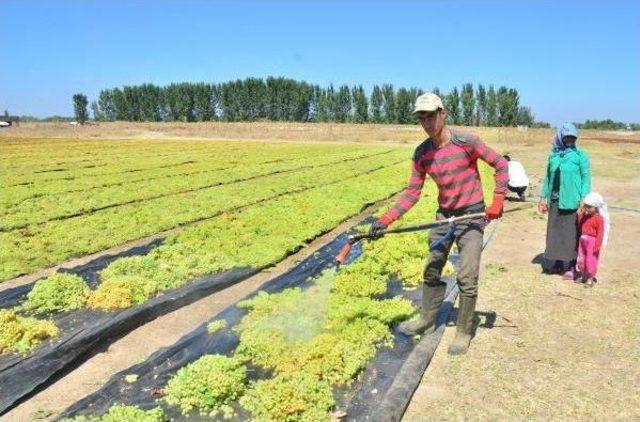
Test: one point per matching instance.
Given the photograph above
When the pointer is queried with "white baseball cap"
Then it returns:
(427, 102)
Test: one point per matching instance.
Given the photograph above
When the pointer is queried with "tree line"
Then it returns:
(607, 124)
(283, 99)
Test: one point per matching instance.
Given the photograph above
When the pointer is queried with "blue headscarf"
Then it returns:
(566, 129)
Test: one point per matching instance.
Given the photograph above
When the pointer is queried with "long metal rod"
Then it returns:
(342, 256)
(427, 226)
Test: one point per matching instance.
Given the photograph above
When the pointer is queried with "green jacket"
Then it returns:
(575, 177)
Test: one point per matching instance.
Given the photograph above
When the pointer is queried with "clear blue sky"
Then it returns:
(569, 60)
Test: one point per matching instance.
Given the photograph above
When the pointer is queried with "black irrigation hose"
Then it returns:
(112, 173)
(261, 201)
(398, 396)
(97, 174)
(128, 182)
(637, 211)
(611, 207)
(106, 185)
(203, 154)
(166, 195)
(115, 156)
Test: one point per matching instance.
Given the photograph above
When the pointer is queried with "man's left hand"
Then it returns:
(495, 209)
(376, 229)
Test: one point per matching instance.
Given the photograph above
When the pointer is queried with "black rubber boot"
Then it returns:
(464, 327)
(432, 298)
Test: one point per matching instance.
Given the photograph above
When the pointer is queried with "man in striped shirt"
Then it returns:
(450, 158)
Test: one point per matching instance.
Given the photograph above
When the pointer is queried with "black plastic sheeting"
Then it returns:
(84, 331)
(88, 271)
(397, 397)
(613, 207)
(407, 379)
(359, 400)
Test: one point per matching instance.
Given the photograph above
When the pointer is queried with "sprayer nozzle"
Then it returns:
(342, 256)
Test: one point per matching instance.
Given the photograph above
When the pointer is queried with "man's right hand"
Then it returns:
(542, 206)
(375, 231)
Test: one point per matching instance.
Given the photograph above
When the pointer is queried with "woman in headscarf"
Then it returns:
(566, 183)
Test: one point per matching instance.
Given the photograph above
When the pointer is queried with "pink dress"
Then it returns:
(591, 228)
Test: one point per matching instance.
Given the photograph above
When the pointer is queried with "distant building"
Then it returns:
(9, 120)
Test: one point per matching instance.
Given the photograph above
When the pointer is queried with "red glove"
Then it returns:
(495, 210)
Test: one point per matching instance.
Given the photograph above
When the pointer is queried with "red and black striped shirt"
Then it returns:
(454, 168)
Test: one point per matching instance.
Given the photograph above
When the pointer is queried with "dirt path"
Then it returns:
(546, 349)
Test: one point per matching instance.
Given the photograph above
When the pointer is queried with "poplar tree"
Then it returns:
(106, 106)
(202, 102)
(97, 115)
(389, 103)
(322, 105)
(481, 106)
(492, 107)
(80, 108)
(525, 117)
(331, 104)
(452, 103)
(360, 104)
(150, 103)
(468, 104)
(503, 105)
(375, 102)
(404, 106)
(343, 104)
(119, 105)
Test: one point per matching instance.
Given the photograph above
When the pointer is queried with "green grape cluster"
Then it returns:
(21, 334)
(207, 385)
(119, 413)
(216, 325)
(56, 293)
(289, 397)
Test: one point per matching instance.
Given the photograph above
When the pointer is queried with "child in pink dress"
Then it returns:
(593, 226)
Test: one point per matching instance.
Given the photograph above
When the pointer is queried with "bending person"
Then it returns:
(518, 180)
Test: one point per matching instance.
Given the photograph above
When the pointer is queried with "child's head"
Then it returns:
(592, 203)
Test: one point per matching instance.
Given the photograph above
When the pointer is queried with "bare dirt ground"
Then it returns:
(545, 350)
(325, 132)
(548, 349)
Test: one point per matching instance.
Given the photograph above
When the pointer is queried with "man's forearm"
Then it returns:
(500, 165)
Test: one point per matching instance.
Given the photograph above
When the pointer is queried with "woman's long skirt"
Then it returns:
(562, 234)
